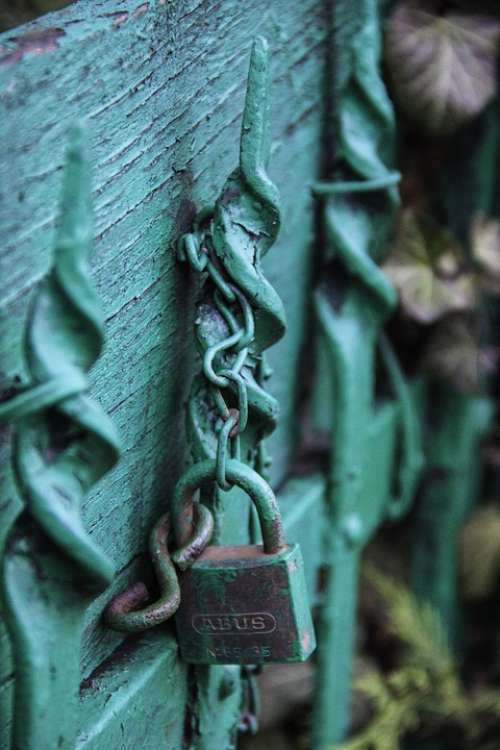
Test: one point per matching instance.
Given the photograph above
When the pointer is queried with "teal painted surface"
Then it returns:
(122, 703)
(161, 86)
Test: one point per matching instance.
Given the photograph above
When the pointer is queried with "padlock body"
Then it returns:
(241, 606)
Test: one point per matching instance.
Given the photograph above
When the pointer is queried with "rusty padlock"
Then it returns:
(240, 604)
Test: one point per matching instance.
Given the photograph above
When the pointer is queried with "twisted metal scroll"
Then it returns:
(229, 241)
(63, 444)
(351, 315)
(239, 315)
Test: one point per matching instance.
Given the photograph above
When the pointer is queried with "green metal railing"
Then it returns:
(352, 303)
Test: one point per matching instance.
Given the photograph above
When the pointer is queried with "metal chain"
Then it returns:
(237, 313)
(222, 364)
(249, 723)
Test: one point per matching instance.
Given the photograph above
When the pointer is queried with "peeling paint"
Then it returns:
(118, 18)
(37, 42)
(141, 9)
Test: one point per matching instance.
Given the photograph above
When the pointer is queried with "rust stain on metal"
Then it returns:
(134, 596)
(277, 534)
(36, 42)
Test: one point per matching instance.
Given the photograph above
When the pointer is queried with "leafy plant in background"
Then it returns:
(424, 693)
(440, 288)
(442, 61)
(428, 268)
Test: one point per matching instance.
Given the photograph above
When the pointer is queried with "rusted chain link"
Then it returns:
(122, 612)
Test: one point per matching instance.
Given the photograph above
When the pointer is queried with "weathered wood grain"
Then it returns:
(122, 707)
(161, 86)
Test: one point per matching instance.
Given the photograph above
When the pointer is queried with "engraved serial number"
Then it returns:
(238, 652)
(246, 623)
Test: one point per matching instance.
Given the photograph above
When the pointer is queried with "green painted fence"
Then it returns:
(160, 88)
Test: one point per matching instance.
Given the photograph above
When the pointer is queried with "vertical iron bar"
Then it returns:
(352, 302)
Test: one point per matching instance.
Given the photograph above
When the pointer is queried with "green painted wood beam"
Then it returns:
(125, 701)
(161, 86)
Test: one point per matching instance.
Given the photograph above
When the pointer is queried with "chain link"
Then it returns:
(195, 249)
(249, 723)
(222, 366)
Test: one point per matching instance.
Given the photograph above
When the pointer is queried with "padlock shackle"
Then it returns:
(240, 475)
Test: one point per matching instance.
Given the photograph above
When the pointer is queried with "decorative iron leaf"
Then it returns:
(427, 267)
(442, 64)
